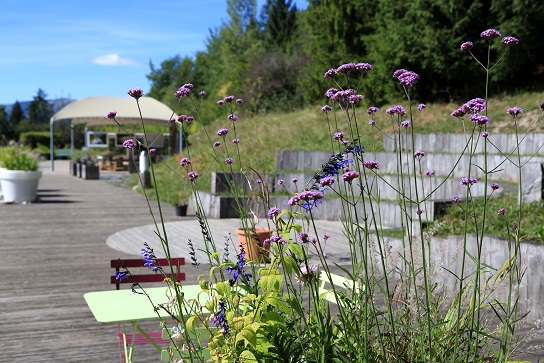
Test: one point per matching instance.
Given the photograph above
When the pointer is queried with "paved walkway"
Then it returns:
(55, 251)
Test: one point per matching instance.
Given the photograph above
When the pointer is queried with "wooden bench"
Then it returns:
(135, 267)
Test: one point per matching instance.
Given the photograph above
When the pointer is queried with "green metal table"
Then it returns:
(125, 306)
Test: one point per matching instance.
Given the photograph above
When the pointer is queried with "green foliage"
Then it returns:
(499, 225)
(33, 138)
(18, 158)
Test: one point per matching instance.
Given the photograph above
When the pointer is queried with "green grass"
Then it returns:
(532, 221)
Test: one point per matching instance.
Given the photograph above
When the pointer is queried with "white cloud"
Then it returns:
(113, 60)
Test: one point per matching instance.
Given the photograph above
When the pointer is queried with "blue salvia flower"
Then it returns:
(238, 270)
(121, 275)
(220, 318)
(150, 260)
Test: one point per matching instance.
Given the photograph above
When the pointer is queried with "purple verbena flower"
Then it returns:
(339, 135)
(510, 40)
(221, 102)
(502, 211)
(182, 92)
(372, 122)
(514, 111)
(406, 123)
(307, 274)
(202, 93)
(222, 132)
(490, 34)
(294, 180)
(372, 110)
(327, 181)
(345, 68)
(229, 99)
(135, 93)
(235, 141)
(192, 176)
(467, 46)
(363, 67)
(458, 113)
(474, 106)
(129, 144)
(308, 199)
(274, 239)
(189, 119)
(185, 162)
(239, 101)
(430, 172)
(152, 151)
(348, 176)
(455, 198)
(280, 182)
(371, 164)
(111, 114)
(216, 144)
(421, 107)
(495, 186)
(273, 212)
(326, 108)
(229, 161)
(484, 134)
(303, 237)
(398, 109)
(479, 119)
(406, 78)
(331, 92)
(232, 117)
(330, 73)
(419, 154)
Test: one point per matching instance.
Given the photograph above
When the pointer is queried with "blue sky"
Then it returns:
(75, 49)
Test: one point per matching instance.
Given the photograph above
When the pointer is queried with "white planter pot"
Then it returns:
(19, 186)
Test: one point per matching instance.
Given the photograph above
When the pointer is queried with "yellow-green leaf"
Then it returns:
(247, 356)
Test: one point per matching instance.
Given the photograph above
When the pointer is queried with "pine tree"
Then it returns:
(280, 21)
(17, 114)
(5, 129)
(39, 110)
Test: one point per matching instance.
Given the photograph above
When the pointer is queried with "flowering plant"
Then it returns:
(18, 158)
(393, 303)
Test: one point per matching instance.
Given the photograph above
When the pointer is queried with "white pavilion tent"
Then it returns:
(92, 111)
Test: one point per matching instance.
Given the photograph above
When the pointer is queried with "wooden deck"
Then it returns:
(55, 251)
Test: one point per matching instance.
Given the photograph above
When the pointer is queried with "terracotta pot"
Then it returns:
(255, 251)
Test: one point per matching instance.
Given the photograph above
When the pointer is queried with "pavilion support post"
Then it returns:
(51, 151)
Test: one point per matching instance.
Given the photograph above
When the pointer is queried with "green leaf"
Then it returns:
(290, 265)
(270, 285)
(293, 303)
(247, 335)
(189, 324)
(222, 288)
(247, 356)
(272, 317)
(296, 249)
